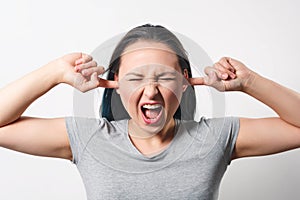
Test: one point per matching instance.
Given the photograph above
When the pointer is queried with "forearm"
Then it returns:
(285, 102)
(17, 96)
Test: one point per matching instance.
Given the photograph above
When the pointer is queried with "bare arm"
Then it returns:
(17, 96)
(284, 101)
(44, 137)
(265, 135)
(270, 135)
(30, 135)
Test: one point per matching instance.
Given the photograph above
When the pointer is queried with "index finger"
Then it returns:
(108, 84)
(197, 81)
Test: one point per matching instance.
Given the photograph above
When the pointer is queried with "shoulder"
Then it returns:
(87, 125)
(82, 123)
(213, 127)
(211, 123)
(89, 133)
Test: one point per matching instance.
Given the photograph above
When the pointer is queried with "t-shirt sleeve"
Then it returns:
(80, 131)
(225, 131)
(229, 137)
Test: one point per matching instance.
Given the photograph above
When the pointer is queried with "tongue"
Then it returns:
(152, 113)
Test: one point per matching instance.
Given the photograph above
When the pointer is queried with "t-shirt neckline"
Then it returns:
(153, 156)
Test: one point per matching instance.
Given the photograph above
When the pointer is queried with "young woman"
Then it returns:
(150, 146)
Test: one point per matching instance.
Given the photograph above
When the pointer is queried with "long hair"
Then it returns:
(151, 33)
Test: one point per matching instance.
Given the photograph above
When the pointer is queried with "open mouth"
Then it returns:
(151, 112)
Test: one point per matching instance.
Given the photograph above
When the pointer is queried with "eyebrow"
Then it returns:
(159, 75)
(135, 74)
(166, 73)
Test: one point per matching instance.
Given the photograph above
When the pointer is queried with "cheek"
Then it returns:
(129, 99)
(172, 91)
(125, 98)
(171, 97)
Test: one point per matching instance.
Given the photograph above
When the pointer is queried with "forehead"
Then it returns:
(147, 54)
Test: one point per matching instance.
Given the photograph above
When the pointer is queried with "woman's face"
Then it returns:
(150, 85)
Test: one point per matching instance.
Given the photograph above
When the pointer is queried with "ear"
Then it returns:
(116, 78)
(186, 76)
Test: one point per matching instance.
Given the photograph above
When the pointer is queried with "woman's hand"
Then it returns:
(226, 75)
(81, 72)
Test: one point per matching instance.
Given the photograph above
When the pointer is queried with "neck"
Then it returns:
(154, 142)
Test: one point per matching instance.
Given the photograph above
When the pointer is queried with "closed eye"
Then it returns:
(167, 76)
(134, 79)
(166, 79)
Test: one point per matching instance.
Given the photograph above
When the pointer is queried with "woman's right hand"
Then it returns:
(81, 71)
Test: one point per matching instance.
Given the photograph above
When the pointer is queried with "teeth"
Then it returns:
(153, 106)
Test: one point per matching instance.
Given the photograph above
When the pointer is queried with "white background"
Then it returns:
(262, 34)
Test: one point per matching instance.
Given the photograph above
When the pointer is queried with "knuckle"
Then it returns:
(86, 58)
(224, 62)
(89, 58)
(82, 66)
(223, 59)
(94, 63)
(83, 72)
(218, 66)
(100, 69)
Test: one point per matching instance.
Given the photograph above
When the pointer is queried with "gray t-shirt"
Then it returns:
(191, 167)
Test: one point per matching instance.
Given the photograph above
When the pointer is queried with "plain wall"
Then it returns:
(262, 34)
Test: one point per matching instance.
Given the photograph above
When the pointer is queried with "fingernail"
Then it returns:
(79, 61)
(224, 76)
(76, 69)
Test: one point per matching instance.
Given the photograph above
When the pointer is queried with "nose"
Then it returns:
(151, 89)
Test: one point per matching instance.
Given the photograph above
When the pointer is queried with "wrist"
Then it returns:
(53, 73)
(250, 82)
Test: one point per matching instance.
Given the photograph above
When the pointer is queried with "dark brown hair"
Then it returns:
(150, 33)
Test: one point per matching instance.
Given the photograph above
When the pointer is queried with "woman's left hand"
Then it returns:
(227, 74)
